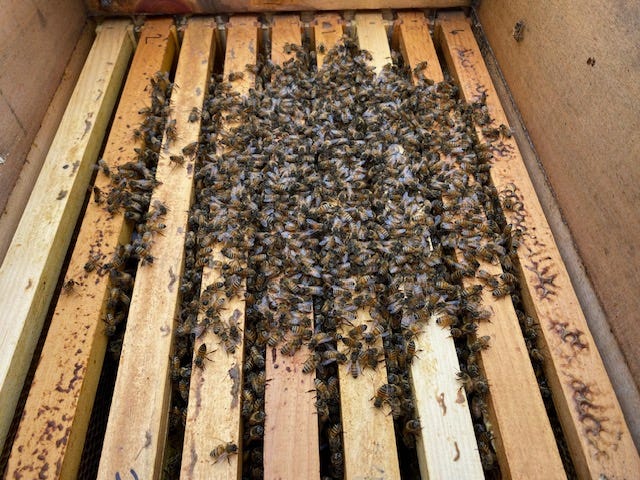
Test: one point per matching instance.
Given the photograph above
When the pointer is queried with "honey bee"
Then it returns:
(411, 351)
(233, 76)
(481, 343)
(257, 418)
(201, 356)
(256, 433)
(356, 332)
(371, 357)
(183, 388)
(501, 291)
(383, 394)
(194, 115)
(222, 451)
(518, 31)
(312, 362)
(190, 149)
(171, 131)
(176, 159)
(330, 356)
(337, 462)
(333, 432)
(104, 167)
(446, 320)
(69, 286)
(92, 263)
(320, 338)
(175, 368)
(97, 195)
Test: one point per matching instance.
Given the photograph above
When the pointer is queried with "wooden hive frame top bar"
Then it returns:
(75, 346)
(289, 396)
(136, 432)
(592, 421)
(213, 411)
(126, 7)
(33, 262)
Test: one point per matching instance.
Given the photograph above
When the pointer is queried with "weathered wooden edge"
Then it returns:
(214, 409)
(289, 400)
(447, 447)
(368, 432)
(610, 350)
(592, 421)
(19, 195)
(138, 419)
(66, 380)
(31, 267)
(516, 412)
(96, 7)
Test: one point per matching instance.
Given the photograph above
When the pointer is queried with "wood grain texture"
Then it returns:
(32, 265)
(19, 195)
(619, 373)
(447, 447)
(368, 432)
(66, 380)
(214, 408)
(38, 39)
(372, 36)
(584, 123)
(327, 32)
(591, 417)
(289, 400)
(136, 431)
(516, 410)
(257, 6)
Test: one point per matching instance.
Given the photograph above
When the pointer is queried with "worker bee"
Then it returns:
(222, 451)
(257, 418)
(337, 462)
(194, 115)
(104, 167)
(518, 31)
(69, 286)
(312, 362)
(501, 291)
(320, 338)
(481, 343)
(97, 195)
(384, 393)
(92, 263)
(334, 434)
(183, 388)
(256, 433)
(176, 159)
(356, 332)
(201, 356)
(233, 76)
(190, 149)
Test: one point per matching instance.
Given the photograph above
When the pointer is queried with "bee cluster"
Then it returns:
(130, 193)
(334, 192)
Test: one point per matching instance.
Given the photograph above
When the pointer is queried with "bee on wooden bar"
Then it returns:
(201, 356)
(92, 263)
(223, 451)
(194, 115)
(190, 149)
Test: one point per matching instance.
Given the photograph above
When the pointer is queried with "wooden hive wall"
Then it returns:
(38, 40)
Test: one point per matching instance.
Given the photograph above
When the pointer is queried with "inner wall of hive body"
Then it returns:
(342, 242)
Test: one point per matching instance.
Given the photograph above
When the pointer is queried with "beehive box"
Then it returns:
(46, 124)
